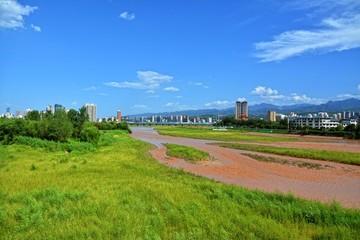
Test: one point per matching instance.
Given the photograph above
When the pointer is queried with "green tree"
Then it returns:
(350, 128)
(60, 127)
(33, 115)
(78, 119)
(339, 127)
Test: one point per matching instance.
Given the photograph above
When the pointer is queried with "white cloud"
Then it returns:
(272, 95)
(171, 89)
(358, 87)
(218, 103)
(12, 14)
(300, 98)
(36, 28)
(74, 103)
(127, 16)
(149, 81)
(241, 99)
(260, 90)
(338, 32)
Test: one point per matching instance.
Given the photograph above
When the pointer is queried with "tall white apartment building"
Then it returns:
(91, 111)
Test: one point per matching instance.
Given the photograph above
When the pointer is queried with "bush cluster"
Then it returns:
(58, 127)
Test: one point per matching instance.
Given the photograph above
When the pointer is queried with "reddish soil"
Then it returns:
(334, 181)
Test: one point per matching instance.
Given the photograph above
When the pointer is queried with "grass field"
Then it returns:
(187, 153)
(120, 192)
(229, 135)
(328, 155)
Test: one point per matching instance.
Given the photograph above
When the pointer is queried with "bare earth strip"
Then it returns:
(336, 181)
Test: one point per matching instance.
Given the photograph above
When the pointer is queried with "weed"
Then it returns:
(301, 164)
(33, 167)
(186, 153)
(327, 155)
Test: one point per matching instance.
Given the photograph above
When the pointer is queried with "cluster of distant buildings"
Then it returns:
(321, 120)
(173, 119)
(91, 110)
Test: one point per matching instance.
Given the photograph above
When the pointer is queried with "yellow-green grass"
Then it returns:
(187, 153)
(326, 155)
(229, 135)
(120, 192)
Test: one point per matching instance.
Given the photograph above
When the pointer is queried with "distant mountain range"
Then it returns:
(350, 104)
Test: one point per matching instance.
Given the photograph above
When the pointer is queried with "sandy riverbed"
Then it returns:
(334, 181)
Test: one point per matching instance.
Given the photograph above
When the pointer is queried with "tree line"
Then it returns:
(253, 123)
(351, 131)
(58, 126)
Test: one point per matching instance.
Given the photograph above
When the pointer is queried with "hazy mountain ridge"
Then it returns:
(350, 104)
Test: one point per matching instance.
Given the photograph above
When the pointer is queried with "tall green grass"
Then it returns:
(187, 153)
(230, 135)
(327, 155)
(120, 192)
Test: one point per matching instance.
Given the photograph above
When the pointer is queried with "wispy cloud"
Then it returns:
(139, 106)
(92, 88)
(148, 80)
(350, 95)
(218, 104)
(127, 16)
(12, 14)
(171, 89)
(347, 96)
(338, 32)
(172, 104)
(36, 28)
(198, 84)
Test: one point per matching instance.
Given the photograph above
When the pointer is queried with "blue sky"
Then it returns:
(154, 56)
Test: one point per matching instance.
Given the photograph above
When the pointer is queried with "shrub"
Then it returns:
(90, 135)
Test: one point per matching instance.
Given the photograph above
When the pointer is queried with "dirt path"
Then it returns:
(334, 181)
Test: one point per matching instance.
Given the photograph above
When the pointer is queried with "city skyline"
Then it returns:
(159, 57)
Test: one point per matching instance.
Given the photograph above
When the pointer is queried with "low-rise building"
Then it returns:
(315, 122)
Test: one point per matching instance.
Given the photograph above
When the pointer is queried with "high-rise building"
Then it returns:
(58, 107)
(241, 110)
(271, 116)
(238, 110)
(91, 111)
(119, 116)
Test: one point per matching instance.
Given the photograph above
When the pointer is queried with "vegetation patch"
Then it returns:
(326, 155)
(233, 135)
(301, 164)
(187, 153)
(122, 193)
